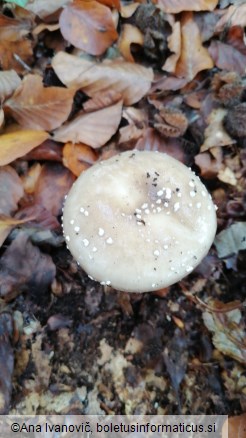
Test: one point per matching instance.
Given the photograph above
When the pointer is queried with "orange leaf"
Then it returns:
(133, 81)
(16, 144)
(129, 35)
(93, 129)
(176, 6)
(78, 157)
(194, 57)
(37, 107)
(88, 25)
(110, 3)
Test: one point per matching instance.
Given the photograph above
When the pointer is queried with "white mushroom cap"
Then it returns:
(139, 221)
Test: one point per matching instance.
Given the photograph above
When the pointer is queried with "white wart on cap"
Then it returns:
(139, 221)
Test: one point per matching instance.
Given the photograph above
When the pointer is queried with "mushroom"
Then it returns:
(139, 221)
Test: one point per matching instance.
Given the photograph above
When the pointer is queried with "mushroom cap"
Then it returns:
(139, 221)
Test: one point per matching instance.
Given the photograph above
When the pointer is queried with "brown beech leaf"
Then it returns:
(53, 184)
(9, 81)
(11, 190)
(130, 34)
(176, 6)
(93, 129)
(215, 134)
(102, 100)
(43, 8)
(234, 16)
(6, 361)
(14, 45)
(227, 57)
(133, 81)
(37, 107)
(23, 267)
(194, 57)
(88, 25)
(7, 223)
(111, 3)
(49, 150)
(174, 45)
(16, 144)
(235, 427)
(78, 157)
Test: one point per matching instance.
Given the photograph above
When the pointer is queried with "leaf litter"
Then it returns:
(165, 76)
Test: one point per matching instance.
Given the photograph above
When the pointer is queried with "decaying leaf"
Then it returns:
(6, 225)
(37, 107)
(132, 81)
(215, 134)
(194, 57)
(78, 157)
(93, 129)
(227, 57)
(235, 15)
(24, 267)
(53, 184)
(9, 81)
(88, 25)
(231, 240)
(176, 6)
(228, 331)
(11, 190)
(6, 361)
(174, 45)
(16, 144)
(43, 8)
(235, 427)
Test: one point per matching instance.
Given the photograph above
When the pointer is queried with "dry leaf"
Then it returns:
(78, 157)
(174, 45)
(7, 223)
(14, 45)
(176, 6)
(231, 240)
(127, 10)
(11, 190)
(194, 57)
(9, 81)
(228, 331)
(111, 3)
(235, 427)
(24, 267)
(133, 81)
(215, 134)
(93, 129)
(88, 25)
(208, 165)
(53, 184)
(16, 144)
(233, 16)
(227, 176)
(129, 35)
(43, 8)
(102, 100)
(227, 57)
(37, 107)
(30, 179)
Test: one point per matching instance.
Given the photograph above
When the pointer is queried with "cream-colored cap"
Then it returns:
(139, 221)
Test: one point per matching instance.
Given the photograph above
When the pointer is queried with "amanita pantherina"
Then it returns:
(139, 221)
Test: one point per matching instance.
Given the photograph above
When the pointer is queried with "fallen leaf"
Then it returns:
(16, 144)
(78, 157)
(208, 165)
(53, 184)
(6, 361)
(102, 100)
(132, 81)
(228, 330)
(174, 45)
(15, 48)
(6, 225)
(88, 25)
(231, 240)
(111, 3)
(11, 190)
(235, 427)
(233, 16)
(129, 35)
(30, 178)
(227, 57)
(93, 129)
(227, 176)
(9, 81)
(37, 107)
(23, 267)
(194, 57)
(43, 8)
(176, 6)
(215, 134)
(49, 150)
